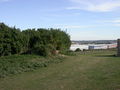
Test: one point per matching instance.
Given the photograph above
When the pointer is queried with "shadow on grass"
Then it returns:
(106, 55)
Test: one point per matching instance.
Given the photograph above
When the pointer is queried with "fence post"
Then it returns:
(118, 47)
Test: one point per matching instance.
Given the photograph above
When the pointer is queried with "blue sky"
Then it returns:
(83, 19)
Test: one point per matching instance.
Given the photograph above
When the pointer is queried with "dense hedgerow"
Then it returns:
(43, 42)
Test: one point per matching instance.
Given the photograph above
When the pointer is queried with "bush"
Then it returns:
(77, 50)
(38, 41)
(85, 50)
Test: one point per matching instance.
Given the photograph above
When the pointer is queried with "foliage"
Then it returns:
(77, 50)
(43, 42)
(9, 40)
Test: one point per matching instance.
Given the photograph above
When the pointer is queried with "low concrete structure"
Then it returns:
(118, 46)
(99, 46)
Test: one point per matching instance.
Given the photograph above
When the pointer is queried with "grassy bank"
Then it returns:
(15, 64)
(91, 70)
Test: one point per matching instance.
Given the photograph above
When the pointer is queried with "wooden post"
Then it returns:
(118, 46)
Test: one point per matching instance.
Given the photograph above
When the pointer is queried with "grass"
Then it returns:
(15, 64)
(91, 70)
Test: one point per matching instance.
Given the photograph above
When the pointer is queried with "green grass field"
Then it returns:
(92, 70)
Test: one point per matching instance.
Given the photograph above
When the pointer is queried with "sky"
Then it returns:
(83, 19)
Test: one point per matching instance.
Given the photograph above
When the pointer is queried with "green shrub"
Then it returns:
(77, 50)
(38, 41)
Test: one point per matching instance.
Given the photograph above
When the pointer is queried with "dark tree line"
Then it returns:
(33, 41)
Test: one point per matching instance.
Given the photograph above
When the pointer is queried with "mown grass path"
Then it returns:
(97, 70)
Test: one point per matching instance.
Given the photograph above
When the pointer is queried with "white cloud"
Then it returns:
(110, 21)
(95, 5)
(117, 25)
(113, 22)
(117, 21)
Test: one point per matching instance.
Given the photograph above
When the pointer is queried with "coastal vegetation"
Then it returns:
(27, 50)
(44, 42)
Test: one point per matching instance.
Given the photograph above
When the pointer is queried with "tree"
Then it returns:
(41, 41)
